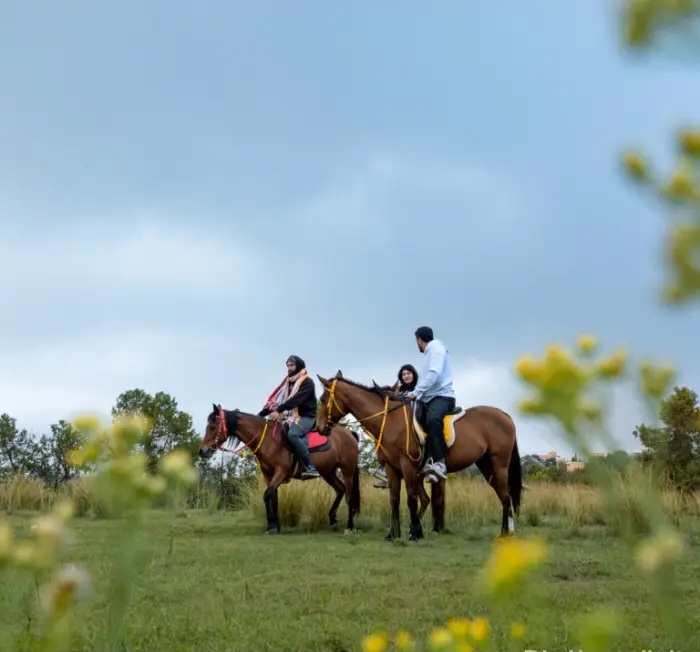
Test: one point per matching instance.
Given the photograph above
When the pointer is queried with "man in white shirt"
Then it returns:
(434, 390)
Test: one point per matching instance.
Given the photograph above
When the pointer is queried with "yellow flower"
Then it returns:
(86, 423)
(49, 531)
(664, 548)
(375, 643)
(177, 466)
(635, 165)
(680, 184)
(459, 626)
(479, 629)
(656, 378)
(129, 429)
(76, 457)
(614, 365)
(587, 343)
(463, 646)
(511, 560)
(404, 641)
(689, 141)
(529, 369)
(531, 406)
(440, 639)
(517, 630)
(561, 373)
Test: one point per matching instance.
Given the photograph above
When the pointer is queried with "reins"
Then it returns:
(332, 402)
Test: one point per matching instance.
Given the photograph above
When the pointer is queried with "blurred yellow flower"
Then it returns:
(404, 641)
(86, 423)
(613, 365)
(441, 639)
(517, 630)
(587, 343)
(635, 165)
(479, 629)
(375, 643)
(656, 378)
(459, 626)
(666, 547)
(511, 560)
(689, 141)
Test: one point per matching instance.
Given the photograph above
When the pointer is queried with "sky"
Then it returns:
(191, 192)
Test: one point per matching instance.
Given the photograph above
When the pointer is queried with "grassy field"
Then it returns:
(211, 581)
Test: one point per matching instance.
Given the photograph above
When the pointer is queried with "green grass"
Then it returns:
(212, 581)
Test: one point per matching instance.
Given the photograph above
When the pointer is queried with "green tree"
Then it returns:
(171, 427)
(17, 447)
(674, 447)
(50, 460)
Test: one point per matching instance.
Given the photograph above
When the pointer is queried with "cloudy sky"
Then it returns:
(190, 192)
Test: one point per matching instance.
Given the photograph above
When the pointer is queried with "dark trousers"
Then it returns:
(435, 411)
(297, 438)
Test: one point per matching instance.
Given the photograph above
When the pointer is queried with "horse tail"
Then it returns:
(515, 478)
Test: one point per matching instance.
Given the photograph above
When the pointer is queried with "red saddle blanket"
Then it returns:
(316, 439)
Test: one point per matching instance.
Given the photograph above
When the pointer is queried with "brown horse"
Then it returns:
(278, 465)
(481, 435)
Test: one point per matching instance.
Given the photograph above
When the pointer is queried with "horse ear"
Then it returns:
(216, 408)
(339, 374)
(324, 382)
(374, 383)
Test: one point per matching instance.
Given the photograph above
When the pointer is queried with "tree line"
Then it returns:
(670, 447)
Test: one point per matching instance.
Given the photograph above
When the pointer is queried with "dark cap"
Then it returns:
(298, 362)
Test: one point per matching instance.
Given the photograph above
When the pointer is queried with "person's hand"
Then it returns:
(411, 397)
(274, 416)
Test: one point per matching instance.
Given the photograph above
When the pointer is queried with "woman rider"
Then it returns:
(407, 380)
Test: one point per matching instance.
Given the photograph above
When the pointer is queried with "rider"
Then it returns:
(296, 396)
(407, 379)
(435, 392)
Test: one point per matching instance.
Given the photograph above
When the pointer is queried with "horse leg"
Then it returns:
(351, 477)
(334, 481)
(395, 502)
(437, 492)
(500, 485)
(423, 497)
(411, 479)
(271, 502)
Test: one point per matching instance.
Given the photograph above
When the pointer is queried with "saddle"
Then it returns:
(317, 442)
(448, 422)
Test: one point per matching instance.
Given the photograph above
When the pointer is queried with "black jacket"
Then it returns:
(304, 399)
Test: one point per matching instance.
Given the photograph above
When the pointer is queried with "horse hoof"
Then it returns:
(348, 531)
(272, 531)
(389, 537)
(333, 526)
(413, 537)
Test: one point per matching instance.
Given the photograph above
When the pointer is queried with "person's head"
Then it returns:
(294, 365)
(424, 335)
(408, 377)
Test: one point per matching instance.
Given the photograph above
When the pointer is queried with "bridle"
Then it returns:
(333, 403)
(222, 434)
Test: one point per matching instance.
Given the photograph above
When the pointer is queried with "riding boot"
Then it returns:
(303, 454)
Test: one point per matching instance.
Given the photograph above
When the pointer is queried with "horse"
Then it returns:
(423, 497)
(481, 435)
(337, 451)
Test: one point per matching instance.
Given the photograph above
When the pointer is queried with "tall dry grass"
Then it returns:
(470, 503)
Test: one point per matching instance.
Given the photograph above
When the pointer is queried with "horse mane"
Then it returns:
(381, 391)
